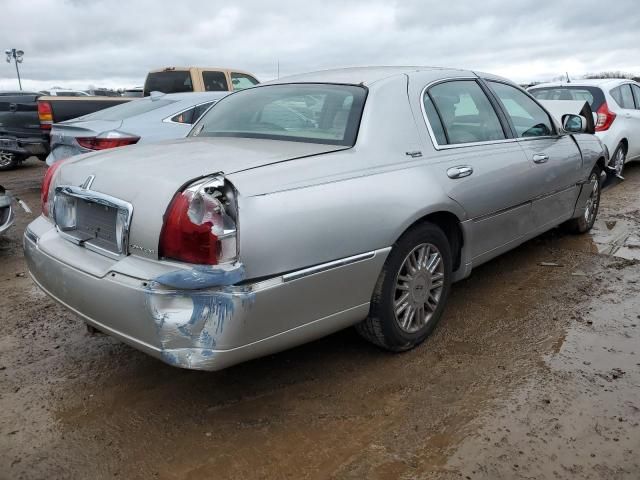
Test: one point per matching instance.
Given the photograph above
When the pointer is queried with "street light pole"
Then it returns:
(17, 58)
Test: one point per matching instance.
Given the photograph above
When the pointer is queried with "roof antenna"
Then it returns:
(568, 79)
(278, 68)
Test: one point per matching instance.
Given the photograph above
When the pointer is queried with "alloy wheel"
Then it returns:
(618, 161)
(592, 203)
(6, 159)
(418, 287)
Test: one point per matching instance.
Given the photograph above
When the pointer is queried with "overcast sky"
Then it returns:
(113, 43)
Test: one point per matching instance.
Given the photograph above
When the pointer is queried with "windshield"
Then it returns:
(313, 113)
(128, 109)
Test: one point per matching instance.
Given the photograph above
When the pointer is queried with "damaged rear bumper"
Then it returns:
(208, 328)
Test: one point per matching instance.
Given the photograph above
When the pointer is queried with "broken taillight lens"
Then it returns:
(200, 224)
(47, 187)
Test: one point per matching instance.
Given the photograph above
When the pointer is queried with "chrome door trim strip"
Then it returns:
(323, 267)
(530, 201)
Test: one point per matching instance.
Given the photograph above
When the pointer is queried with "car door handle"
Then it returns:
(13, 107)
(459, 172)
(540, 158)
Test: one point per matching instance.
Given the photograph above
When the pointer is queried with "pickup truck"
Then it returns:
(55, 109)
(197, 79)
(20, 133)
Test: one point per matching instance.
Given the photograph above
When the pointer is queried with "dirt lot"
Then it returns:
(534, 372)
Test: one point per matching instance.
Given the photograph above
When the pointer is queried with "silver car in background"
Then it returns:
(308, 205)
(154, 118)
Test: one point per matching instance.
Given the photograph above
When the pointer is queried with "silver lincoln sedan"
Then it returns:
(307, 205)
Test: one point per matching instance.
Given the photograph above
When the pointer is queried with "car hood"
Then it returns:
(128, 172)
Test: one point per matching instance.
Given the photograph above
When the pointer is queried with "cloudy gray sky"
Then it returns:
(113, 43)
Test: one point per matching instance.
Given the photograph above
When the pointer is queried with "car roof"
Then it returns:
(185, 69)
(364, 75)
(587, 82)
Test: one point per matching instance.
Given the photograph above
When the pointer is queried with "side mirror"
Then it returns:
(574, 123)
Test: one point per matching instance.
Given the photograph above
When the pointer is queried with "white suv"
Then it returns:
(615, 102)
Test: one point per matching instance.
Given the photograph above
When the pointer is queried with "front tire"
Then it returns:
(585, 222)
(411, 291)
(8, 160)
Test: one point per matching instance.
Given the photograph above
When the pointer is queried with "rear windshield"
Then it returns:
(168, 82)
(128, 110)
(312, 113)
(592, 95)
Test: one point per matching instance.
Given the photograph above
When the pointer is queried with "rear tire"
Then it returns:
(8, 160)
(412, 290)
(585, 222)
(618, 160)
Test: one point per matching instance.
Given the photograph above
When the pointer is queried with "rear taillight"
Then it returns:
(103, 143)
(45, 192)
(200, 224)
(605, 118)
(45, 114)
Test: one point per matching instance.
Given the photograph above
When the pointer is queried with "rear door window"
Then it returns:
(171, 81)
(527, 117)
(636, 95)
(184, 117)
(200, 109)
(434, 121)
(623, 96)
(241, 81)
(192, 115)
(215, 81)
(462, 113)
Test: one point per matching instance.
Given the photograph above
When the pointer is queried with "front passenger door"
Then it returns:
(557, 161)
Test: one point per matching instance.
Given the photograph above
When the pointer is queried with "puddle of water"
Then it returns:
(619, 237)
(580, 417)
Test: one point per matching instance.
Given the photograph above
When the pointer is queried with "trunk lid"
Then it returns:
(63, 136)
(147, 176)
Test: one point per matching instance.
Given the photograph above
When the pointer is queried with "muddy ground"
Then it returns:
(534, 372)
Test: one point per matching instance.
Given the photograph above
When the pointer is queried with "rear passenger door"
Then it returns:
(557, 161)
(477, 163)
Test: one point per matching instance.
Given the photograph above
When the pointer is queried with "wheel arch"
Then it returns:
(451, 225)
(625, 143)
